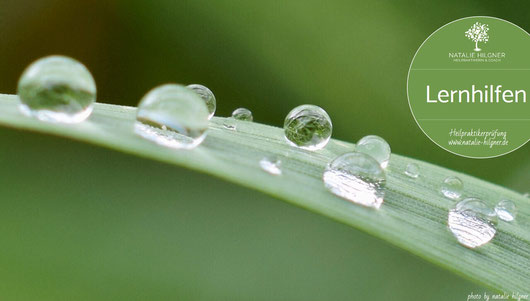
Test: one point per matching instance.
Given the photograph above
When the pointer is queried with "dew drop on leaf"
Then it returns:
(172, 115)
(452, 188)
(308, 127)
(472, 222)
(57, 89)
(206, 95)
(356, 177)
(412, 170)
(376, 147)
(242, 114)
(506, 210)
(271, 164)
(229, 126)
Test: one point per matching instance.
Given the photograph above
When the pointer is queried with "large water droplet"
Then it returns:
(356, 177)
(376, 147)
(206, 95)
(452, 188)
(242, 114)
(412, 170)
(271, 164)
(57, 89)
(172, 115)
(472, 222)
(506, 210)
(308, 127)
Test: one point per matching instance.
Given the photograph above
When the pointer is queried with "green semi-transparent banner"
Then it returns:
(469, 84)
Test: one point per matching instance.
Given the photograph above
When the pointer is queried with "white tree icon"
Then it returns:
(478, 33)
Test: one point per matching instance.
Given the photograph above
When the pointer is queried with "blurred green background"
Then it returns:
(82, 223)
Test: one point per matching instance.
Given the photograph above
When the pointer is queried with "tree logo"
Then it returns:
(478, 33)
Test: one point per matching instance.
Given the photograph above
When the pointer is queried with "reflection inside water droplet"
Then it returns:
(173, 116)
(57, 89)
(472, 222)
(165, 137)
(308, 127)
(356, 177)
(206, 95)
(242, 114)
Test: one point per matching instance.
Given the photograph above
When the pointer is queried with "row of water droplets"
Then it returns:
(471, 220)
(61, 89)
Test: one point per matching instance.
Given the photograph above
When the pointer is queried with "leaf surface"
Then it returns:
(413, 215)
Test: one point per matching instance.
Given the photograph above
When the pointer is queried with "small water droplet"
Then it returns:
(506, 210)
(229, 126)
(452, 188)
(242, 114)
(271, 165)
(472, 222)
(412, 170)
(206, 95)
(376, 147)
(172, 115)
(308, 127)
(57, 89)
(356, 177)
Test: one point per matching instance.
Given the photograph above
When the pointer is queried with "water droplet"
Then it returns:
(376, 147)
(506, 210)
(356, 177)
(271, 165)
(229, 126)
(472, 222)
(57, 89)
(206, 95)
(242, 114)
(172, 115)
(412, 170)
(452, 188)
(308, 127)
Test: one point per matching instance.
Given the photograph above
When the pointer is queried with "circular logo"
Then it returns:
(468, 87)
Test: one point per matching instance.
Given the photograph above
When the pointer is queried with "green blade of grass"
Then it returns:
(413, 216)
